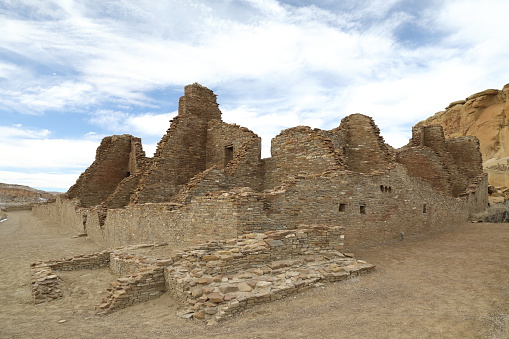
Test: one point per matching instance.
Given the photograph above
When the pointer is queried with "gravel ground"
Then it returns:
(448, 285)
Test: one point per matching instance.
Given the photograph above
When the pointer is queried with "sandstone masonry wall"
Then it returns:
(298, 150)
(116, 158)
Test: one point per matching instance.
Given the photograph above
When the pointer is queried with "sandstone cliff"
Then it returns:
(21, 197)
(486, 116)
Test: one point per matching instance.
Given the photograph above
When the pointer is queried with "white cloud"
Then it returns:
(47, 154)
(30, 157)
(147, 124)
(274, 65)
(18, 131)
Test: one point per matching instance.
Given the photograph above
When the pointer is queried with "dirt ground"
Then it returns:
(448, 285)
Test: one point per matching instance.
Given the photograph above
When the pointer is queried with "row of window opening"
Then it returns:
(362, 208)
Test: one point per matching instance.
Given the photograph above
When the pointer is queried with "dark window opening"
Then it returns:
(266, 205)
(128, 174)
(389, 189)
(342, 207)
(424, 208)
(363, 209)
(382, 188)
(228, 154)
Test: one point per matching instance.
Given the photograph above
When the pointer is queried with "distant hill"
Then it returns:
(486, 116)
(13, 197)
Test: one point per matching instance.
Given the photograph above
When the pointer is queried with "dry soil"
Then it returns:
(447, 285)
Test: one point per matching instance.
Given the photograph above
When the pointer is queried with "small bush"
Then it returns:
(3, 215)
(495, 213)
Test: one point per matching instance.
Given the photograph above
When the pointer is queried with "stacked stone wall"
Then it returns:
(365, 149)
(122, 194)
(458, 173)
(465, 152)
(237, 150)
(113, 162)
(370, 206)
(373, 208)
(64, 212)
(206, 217)
(296, 151)
(424, 163)
(179, 157)
(45, 281)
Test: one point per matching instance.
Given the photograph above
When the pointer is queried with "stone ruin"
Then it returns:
(207, 182)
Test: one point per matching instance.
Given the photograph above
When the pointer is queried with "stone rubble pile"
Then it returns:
(45, 283)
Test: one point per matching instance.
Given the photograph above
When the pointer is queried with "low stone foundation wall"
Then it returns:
(146, 284)
(46, 283)
(217, 279)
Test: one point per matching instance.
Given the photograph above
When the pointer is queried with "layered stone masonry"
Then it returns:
(148, 283)
(46, 283)
(217, 279)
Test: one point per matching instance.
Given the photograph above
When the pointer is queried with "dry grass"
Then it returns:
(495, 213)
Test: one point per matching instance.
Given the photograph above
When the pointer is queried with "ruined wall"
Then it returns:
(205, 218)
(425, 164)
(372, 208)
(116, 158)
(296, 151)
(237, 150)
(365, 150)
(181, 153)
(206, 179)
(456, 171)
(64, 212)
(465, 152)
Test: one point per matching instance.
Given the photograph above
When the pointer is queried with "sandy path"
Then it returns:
(449, 285)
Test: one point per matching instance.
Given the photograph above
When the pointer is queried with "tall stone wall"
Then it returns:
(235, 149)
(365, 150)
(425, 164)
(457, 160)
(116, 158)
(465, 152)
(182, 152)
(296, 151)
(372, 208)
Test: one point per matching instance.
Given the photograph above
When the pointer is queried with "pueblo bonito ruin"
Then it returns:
(250, 230)
(207, 181)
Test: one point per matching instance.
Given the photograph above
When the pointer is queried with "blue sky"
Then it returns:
(72, 72)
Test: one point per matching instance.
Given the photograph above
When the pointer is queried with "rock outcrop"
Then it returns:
(14, 197)
(486, 116)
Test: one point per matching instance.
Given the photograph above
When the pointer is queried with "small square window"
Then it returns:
(363, 209)
(342, 207)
